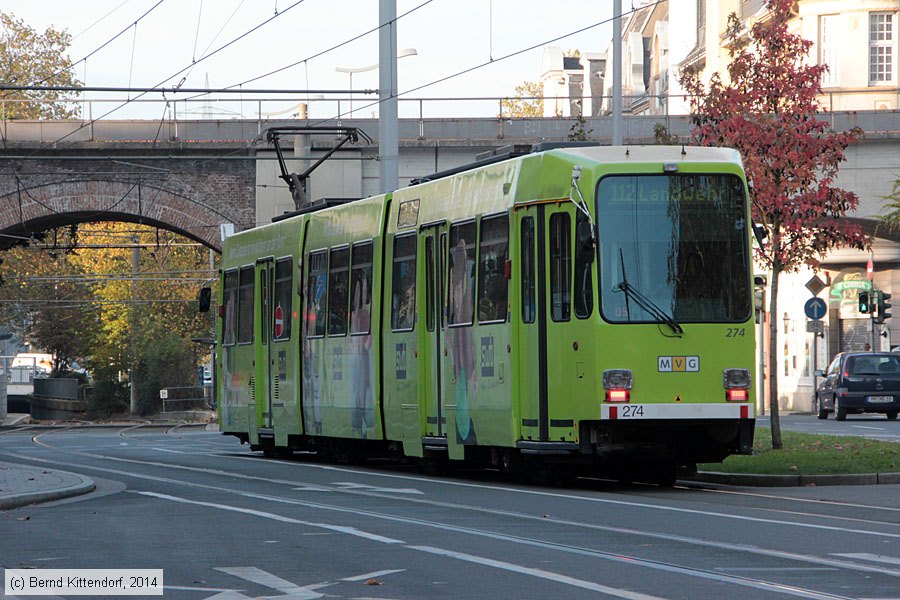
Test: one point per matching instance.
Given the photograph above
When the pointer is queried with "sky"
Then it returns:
(450, 36)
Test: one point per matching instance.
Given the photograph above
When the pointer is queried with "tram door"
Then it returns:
(263, 359)
(434, 243)
(547, 358)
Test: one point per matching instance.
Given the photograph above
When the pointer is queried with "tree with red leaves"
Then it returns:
(767, 109)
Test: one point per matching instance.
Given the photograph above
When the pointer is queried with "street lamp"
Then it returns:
(403, 52)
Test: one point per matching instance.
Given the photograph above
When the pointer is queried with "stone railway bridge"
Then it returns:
(191, 177)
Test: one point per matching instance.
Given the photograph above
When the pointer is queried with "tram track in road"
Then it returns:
(456, 508)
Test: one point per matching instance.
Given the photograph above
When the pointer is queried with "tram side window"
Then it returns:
(338, 291)
(230, 294)
(283, 296)
(245, 306)
(316, 297)
(528, 310)
(403, 284)
(361, 288)
(429, 283)
(584, 280)
(492, 257)
(560, 267)
(461, 301)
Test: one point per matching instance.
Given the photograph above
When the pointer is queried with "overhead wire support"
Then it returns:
(172, 90)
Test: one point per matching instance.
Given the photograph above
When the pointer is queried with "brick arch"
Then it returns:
(30, 210)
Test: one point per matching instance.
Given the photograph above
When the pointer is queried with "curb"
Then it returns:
(85, 485)
(745, 479)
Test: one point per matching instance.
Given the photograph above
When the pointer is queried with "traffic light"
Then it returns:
(865, 303)
(883, 306)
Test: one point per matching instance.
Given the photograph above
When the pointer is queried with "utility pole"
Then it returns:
(617, 74)
(388, 136)
(135, 271)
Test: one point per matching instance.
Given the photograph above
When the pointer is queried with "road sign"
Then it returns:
(815, 327)
(815, 285)
(279, 321)
(815, 308)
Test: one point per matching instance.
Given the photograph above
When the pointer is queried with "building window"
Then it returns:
(828, 49)
(881, 48)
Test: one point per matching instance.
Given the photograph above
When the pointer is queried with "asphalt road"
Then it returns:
(227, 524)
(865, 425)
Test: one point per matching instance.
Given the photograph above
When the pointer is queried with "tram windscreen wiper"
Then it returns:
(643, 301)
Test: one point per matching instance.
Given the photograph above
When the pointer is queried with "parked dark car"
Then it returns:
(860, 382)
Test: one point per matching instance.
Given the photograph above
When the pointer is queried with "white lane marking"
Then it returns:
(267, 515)
(866, 427)
(266, 579)
(654, 535)
(229, 595)
(167, 450)
(569, 549)
(190, 588)
(872, 557)
(348, 485)
(367, 576)
(541, 493)
(548, 575)
(684, 539)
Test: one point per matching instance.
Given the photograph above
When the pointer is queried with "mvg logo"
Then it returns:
(669, 364)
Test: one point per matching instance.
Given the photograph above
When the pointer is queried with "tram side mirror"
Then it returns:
(205, 299)
(584, 242)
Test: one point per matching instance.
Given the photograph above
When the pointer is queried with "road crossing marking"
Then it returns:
(871, 557)
(549, 575)
(267, 515)
(266, 579)
(367, 576)
(347, 485)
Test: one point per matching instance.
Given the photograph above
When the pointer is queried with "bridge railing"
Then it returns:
(146, 124)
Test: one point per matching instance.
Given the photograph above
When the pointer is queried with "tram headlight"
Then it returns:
(736, 378)
(737, 384)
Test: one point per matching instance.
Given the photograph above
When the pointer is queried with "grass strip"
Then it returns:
(812, 454)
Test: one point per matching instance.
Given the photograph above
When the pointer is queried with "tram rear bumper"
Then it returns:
(684, 440)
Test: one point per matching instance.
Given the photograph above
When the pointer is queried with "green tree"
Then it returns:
(892, 206)
(768, 111)
(29, 58)
(84, 303)
(528, 102)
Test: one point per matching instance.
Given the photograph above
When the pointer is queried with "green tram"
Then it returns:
(585, 308)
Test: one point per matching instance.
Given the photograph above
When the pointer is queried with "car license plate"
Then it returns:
(880, 399)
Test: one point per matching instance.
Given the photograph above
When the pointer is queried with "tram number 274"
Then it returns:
(630, 412)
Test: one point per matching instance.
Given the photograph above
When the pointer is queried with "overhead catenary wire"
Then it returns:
(492, 61)
(90, 122)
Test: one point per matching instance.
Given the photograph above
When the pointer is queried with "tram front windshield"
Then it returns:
(673, 246)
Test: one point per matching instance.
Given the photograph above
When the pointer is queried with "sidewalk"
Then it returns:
(21, 485)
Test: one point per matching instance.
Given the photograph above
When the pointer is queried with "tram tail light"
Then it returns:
(221, 311)
(618, 395)
(737, 395)
(618, 384)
